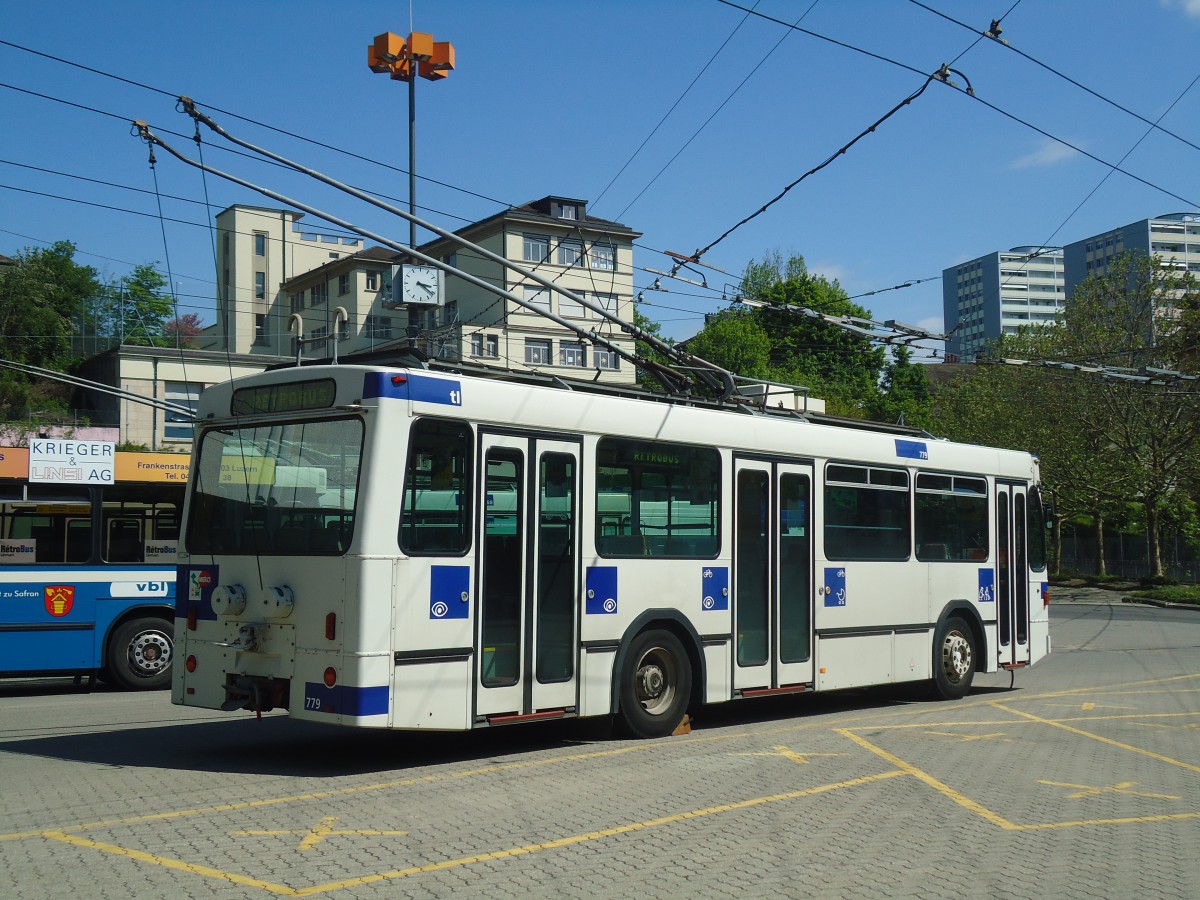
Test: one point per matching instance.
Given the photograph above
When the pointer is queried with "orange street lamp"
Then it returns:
(404, 59)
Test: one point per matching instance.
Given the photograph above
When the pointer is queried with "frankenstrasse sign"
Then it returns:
(57, 461)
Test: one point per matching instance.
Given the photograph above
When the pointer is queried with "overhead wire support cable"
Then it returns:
(994, 34)
(722, 377)
(670, 379)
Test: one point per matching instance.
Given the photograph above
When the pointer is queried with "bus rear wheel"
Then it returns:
(953, 659)
(140, 653)
(656, 684)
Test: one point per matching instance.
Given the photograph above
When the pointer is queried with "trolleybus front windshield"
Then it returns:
(278, 489)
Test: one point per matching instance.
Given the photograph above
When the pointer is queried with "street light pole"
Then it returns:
(404, 59)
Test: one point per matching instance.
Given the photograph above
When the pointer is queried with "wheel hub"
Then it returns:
(956, 657)
(650, 682)
(150, 653)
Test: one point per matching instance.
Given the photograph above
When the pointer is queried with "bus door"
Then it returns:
(773, 579)
(1012, 580)
(528, 572)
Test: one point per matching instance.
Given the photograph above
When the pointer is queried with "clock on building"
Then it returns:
(421, 285)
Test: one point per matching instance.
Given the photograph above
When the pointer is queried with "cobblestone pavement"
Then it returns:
(1082, 781)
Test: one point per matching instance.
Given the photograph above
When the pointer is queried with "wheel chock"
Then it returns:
(684, 727)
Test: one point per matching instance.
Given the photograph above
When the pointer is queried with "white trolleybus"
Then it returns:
(406, 548)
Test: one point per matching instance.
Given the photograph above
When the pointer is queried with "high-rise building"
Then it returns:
(999, 293)
(1173, 237)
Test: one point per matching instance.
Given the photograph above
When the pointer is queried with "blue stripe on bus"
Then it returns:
(345, 700)
(412, 386)
(912, 449)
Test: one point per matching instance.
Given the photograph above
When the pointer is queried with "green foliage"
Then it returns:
(734, 340)
(1103, 442)
(781, 341)
(138, 307)
(40, 297)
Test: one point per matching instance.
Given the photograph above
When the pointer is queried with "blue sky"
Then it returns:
(555, 97)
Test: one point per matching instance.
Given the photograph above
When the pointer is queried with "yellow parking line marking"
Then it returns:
(324, 795)
(971, 737)
(1087, 790)
(940, 786)
(1128, 820)
(318, 833)
(1089, 706)
(169, 863)
(285, 890)
(1096, 737)
(787, 753)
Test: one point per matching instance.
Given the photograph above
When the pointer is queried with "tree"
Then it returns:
(40, 299)
(138, 307)
(904, 393)
(735, 341)
(182, 330)
(1105, 438)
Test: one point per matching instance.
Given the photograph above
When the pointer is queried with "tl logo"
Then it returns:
(59, 598)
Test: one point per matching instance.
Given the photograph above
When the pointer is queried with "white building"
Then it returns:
(272, 268)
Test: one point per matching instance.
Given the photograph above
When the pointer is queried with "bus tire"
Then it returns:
(953, 659)
(140, 653)
(656, 684)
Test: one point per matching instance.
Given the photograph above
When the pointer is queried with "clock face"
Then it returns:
(422, 284)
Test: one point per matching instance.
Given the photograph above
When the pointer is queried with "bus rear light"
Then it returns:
(1045, 595)
(191, 618)
(330, 677)
(330, 626)
(190, 664)
(399, 379)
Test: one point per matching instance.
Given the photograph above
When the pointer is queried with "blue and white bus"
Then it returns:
(407, 548)
(87, 561)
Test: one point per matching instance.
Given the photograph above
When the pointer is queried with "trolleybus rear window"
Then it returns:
(279, 489)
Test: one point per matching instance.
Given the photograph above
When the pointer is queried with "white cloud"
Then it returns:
(1048, 153)
(1190, 7)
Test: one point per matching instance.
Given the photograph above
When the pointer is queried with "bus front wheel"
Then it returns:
(139, 654)
(656, 684)
(953, 659)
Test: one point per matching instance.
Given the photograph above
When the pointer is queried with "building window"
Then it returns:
(607, 302)
(260, 328)
(452, 260)
(570, 253)
(539, 297)
(536, 248)
(568, 211)
(260, 285)
(606, 359)
(572, 354)
(318, 333)
(571, 308)
(320, 293)
(181, 393)
(372, 281)
(297, 301)
(537, 352)
(344, 330)
(379, 327)
(485, 345)
(604, 257)
(260, 244)
(343, 284)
